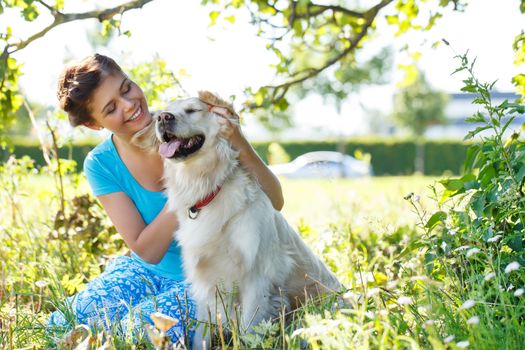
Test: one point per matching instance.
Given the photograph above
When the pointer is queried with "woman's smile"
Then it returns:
(137, 115)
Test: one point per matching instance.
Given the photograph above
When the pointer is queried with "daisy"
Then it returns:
(467, 304)
(512, 267)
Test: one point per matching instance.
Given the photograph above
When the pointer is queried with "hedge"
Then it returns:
(389, 156)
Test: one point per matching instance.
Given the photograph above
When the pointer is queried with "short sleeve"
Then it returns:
(100, 178)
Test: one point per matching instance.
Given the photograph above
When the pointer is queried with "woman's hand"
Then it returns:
(231, 129)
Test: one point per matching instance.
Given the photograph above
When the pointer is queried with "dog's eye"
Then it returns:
(192, 110)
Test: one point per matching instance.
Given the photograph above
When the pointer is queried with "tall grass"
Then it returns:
(359, 227)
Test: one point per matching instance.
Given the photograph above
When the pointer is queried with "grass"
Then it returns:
(363, 229)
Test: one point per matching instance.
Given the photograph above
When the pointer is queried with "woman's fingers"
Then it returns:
(220, 111)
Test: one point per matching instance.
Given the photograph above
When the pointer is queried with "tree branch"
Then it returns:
(315, 10)
(61, 18)
(280, 90)
(50, 8)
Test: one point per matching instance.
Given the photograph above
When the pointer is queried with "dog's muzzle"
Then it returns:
(173, 146)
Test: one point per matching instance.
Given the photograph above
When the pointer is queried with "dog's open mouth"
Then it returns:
(177, 147)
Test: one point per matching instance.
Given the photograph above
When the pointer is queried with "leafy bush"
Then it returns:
(474, 242)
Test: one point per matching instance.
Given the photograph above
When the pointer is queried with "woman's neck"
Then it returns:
(125, 145)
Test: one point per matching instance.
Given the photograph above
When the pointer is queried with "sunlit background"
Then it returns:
(228, 57)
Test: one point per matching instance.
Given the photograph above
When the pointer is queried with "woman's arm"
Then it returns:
(150, 242)
(250, 160)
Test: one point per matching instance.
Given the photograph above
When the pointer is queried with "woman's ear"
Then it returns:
(93, 125)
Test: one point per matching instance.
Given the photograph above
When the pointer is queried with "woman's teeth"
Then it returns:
(135, 115)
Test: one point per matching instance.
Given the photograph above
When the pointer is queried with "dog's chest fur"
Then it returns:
(221, 246)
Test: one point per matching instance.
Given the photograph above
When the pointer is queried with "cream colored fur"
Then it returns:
(238, 245)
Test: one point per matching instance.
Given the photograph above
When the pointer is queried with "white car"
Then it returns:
(323, 164)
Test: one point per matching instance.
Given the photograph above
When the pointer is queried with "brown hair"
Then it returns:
(78, 82)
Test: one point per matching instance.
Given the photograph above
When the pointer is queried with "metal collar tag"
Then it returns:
(193, 212)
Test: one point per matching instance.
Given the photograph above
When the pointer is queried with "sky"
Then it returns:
(226, 58)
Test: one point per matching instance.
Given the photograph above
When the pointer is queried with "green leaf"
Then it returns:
(521, 174)
(452, 184)
(486, 174)
(507, 124)
(392, 19)
(515, 242)
(476, 131)
(476, 118)
(435, 219)
(230, 19)
(429, 262)
(213, 17)
(30, 13)
(477, 203)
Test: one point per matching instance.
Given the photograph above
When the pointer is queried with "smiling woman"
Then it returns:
(128, 183)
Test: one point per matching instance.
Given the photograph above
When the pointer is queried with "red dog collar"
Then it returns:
(193, 212)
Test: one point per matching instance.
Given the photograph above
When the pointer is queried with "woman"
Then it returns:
(128, 183)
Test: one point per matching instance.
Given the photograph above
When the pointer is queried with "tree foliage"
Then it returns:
(329, 35)
(417, 106)
(311, 41)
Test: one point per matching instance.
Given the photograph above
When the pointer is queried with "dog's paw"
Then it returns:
(278, 303)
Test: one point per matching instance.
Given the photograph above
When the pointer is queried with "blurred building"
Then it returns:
(460, 107)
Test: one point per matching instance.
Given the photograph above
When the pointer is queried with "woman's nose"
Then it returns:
(127, 104)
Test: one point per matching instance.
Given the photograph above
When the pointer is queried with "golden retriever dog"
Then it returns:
(235, 245)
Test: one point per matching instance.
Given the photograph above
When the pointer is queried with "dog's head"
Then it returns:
(184, 128)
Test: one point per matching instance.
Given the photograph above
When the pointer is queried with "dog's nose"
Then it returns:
(165, 116)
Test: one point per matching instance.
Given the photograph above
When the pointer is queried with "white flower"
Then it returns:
(489, 276)
(392, 284)
(518, 292)
(467, 304)
(510, 287)
(372, 292)
(473, 320)
(352, 297)
(472, 251)
(449, 339)
(444, 245)
(512, 266)
(41, 283)
(428, 323)
(463, 344)
(453, 231)
(494, 239)
(463, 247)
(404, 300)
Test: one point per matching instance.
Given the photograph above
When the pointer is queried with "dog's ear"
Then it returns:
(214, 100)
(147, 138)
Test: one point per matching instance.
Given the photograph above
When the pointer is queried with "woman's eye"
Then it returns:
(128, 87)
(111, 109)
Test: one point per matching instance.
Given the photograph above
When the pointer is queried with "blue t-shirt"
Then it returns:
(107, 173)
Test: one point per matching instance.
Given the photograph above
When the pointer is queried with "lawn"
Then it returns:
(364, 229)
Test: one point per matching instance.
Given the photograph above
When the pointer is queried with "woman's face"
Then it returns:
(120, 106)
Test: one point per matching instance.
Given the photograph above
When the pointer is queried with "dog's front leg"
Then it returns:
(202, 339)
(261, 301)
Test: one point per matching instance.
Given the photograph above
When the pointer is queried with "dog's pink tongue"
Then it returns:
(168, 149)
